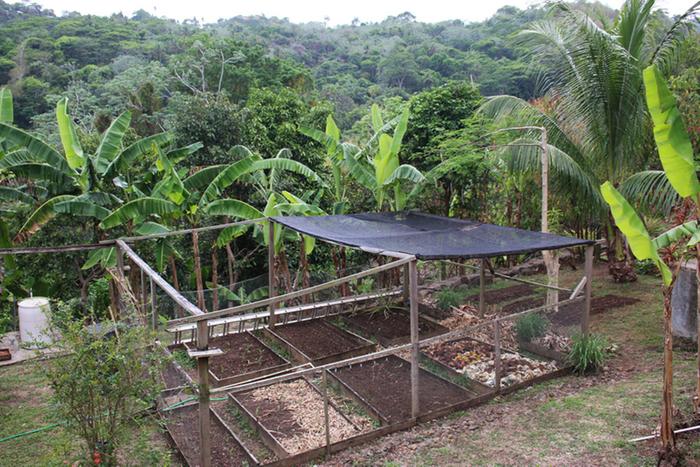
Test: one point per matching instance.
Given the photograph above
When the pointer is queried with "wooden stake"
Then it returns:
(325, 413)
(482, 288)
(497, 354)
(406, 286)
(143, 304)
(272, 290)
(585, 320)
(214, 280)
(415, 371)
(122, 277)
(203, 370)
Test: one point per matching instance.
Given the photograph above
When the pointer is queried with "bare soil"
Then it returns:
(391, 325)
(571, 314)
(505, 294)
(243, 354)
(316, 339)
(385, 383)
(183, 426)
(172, 377)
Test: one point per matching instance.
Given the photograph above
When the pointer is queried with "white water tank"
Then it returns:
(34, 321)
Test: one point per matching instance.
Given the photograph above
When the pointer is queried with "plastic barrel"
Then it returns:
(34, 322)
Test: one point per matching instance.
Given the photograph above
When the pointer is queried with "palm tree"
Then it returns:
(593, 107)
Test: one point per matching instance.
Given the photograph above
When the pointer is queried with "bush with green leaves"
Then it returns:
(105, 376)
(531, 326)
(448, 298)
(587, 353)
(98, 296)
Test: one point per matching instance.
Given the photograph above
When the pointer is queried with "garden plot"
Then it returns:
(475, 360)
(391, 326)
(226, 450)
(384, 384)
(180, 370)
(245, 357)
(319, 342)
(505, 294)
(290, 417)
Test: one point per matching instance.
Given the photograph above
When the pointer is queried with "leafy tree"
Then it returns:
(595, 115)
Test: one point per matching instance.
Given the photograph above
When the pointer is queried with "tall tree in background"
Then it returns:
(595, 115)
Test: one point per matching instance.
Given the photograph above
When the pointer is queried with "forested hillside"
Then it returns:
(144, 62)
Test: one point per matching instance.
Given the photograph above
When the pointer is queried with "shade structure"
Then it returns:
(425, 236)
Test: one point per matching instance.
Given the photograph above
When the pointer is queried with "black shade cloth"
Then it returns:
(425, 236)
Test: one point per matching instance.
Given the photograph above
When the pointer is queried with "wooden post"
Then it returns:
(272, 290)
(482, 287)
(413, 292)
(201, 304)
(325, 413)
(122, 278)
(406, 285)
(497, 354)
(154, 307)
(215, 279)
(203, 370)
(585, 319)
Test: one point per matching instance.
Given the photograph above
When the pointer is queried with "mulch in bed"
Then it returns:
(385, 383)
(318, 339)
(505, 294)
(243, 354)
(391, 325)
(183, 426)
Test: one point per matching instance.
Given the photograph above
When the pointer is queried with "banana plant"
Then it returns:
(76, 182)
(383, 173)
(676, 155)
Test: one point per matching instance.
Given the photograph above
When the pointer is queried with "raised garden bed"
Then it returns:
(182, 424)
(289, 417)
(391, 326)
(245, 357)
(384, 384)
(319, 342)
(475, 360)
(174, 375)
(505, 294)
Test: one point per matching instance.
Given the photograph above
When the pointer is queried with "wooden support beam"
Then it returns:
(177, 297)
(415, 370)
(497, 354)
(186, 231)
(204, 416)
(512, 278)
(482, 287)
(56, 249)
(142, 294)
(585, 320)
(271, 279)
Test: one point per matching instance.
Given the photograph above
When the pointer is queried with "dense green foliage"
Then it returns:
(531, 326)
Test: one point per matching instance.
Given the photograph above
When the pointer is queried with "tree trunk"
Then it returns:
(304, 266)
(668, 443)
(176, 282)
(198, 271)
(214, 280)
(230, 263)
(696, 398)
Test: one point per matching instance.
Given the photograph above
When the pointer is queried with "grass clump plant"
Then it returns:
(531, 326)
(587, 353)
(448, 298)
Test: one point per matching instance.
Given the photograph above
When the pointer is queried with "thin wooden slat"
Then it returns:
(482, 287)
(154, 306)
(325, 414)
(188, 231)
(512, 278)
(56, 249)
(271, 279)
(587, 294)
(204, 418)
(497, 354)
(579, 287)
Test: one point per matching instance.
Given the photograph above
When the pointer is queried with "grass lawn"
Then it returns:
(567, 421)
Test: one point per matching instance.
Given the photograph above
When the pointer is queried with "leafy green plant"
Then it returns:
(102, 379)
(447, 298)
(531, 326)
(587, 353)
(98, 297)
(184, 360)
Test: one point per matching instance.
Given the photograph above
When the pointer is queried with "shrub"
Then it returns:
(98, 297)
(102, 380)
(531, 326)
(587, 353)
(447, 298)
